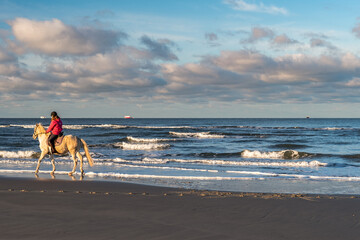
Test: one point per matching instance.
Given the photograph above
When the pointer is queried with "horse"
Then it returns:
(70, 143)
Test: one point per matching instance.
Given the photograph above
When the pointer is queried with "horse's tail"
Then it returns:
(91, 161)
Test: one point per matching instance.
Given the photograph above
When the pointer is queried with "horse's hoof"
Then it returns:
(70, 173)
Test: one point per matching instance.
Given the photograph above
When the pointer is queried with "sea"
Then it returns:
(310, 156)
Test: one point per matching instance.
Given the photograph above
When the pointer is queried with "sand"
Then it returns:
(59, 209)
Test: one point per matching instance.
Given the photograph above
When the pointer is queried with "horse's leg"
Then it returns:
(72, 152)
(53, 164)
(43, 154)
(78, 154)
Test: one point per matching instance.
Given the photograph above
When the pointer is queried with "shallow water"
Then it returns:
(266, 155)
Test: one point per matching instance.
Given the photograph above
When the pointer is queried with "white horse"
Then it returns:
(70, 144)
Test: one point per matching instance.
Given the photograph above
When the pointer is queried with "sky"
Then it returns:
(179, 59)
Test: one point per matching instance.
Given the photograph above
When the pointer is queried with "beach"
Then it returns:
(61, 209)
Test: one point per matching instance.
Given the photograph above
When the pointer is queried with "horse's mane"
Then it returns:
(40, 126)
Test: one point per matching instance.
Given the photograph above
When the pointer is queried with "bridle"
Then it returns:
(35, 134)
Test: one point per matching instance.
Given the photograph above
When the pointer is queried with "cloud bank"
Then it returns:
(85, 64)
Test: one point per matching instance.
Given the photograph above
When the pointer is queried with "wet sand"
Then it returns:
(59, 209)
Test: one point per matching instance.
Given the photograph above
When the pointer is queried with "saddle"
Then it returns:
(59, 139)
(57, 142)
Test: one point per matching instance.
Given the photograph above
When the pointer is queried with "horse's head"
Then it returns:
(37, 130)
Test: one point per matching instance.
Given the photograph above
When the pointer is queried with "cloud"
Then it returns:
(9, 65)
(149, 72)
(160, 48)
(356, 30)
(318, 42)
(212, 39)
(55, 38)
(258, 33)
(252, 77)
(283, 40)
(248, 7)
(354, 82)
(240, 76)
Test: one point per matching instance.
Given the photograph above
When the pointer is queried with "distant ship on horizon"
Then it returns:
(42, 117)
(128, 117)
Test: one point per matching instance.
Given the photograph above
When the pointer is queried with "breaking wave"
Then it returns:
(147, 140)
(197, 135)
(237, 163)
(19, 154)
(138, 146)
(284, 154)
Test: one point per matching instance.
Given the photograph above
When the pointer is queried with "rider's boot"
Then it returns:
(53, 150)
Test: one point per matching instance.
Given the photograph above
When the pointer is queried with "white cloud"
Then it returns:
(355, 82)
(58, 39)
(149, 71)
(248, 7)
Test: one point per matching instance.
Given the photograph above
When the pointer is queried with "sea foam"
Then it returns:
(138, 146)
(239, 163)
(18, 154)
(147, 140)
(196, 135)
(284, 154)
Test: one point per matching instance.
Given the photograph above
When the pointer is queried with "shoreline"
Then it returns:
(26, 184)
(43, 208)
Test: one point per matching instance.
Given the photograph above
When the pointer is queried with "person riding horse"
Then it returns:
(55, 128)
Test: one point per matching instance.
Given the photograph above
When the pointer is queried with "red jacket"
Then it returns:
(55, 127)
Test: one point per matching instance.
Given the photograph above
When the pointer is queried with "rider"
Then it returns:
(55, 128)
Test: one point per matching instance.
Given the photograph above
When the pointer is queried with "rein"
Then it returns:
(36, 134)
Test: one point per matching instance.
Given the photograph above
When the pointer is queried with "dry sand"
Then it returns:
(57, 209)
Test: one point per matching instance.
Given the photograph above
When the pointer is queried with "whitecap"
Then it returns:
(147, 140)
(18, 154)
(284, 154)
(239, 163)
(137, 146)
(196, 135)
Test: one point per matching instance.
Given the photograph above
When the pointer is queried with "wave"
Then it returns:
(199, 178)
(19, 154)
(46, 161)
(284, 154)
(237, 163)
(165, 127)
(219, 178)
(216, 155)
(119, 126)
(147, 140)
(113, 126)
(197, 135)
(146, 147)
(22, 126)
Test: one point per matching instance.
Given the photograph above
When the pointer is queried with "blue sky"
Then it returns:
(200, 58)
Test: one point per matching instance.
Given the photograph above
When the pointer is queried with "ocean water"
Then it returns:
(252, 155)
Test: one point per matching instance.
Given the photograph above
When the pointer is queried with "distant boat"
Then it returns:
(128, 117)
(42, 117)
(307, 117)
